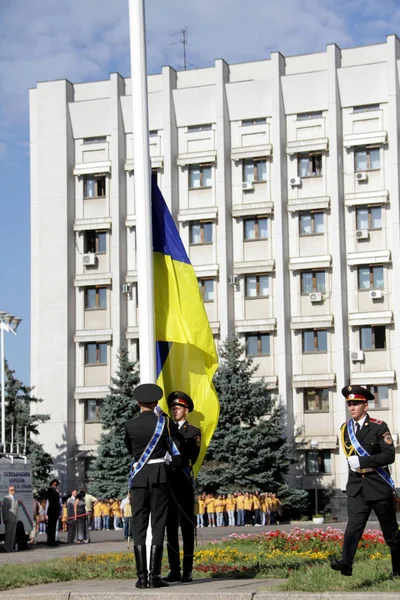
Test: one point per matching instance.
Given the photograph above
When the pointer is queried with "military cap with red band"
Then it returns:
(357, 392)
(178, 398)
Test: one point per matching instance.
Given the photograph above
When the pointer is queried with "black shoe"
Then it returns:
(187, 577)
(173, 576)
(141, 566)
(155, 580)
(344, 568)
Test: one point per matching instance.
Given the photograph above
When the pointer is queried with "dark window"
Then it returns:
(201, 232)
(195, 128)
(92, 411)
(370, 278)
(96, 353)
(249, 122)
(315, 340)
(256, 228)
(257, 286)
(366, 108)
(367, 159)
(200, 176)
(96, 241)
(95, 140)
(311, 223)
(254, 170)
(258, 344)
(94, 186)
(310, 165)
(381, 393)
(316, 399)
(206, 287)
(317, 114)
(95, 297)
(373, 337)
(318, 461)
(369, 217)
(312, 281)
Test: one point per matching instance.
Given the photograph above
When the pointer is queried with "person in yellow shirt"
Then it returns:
(263, 509)
(219, 511)
(230, 506)
(248, 508)
(105, 514)
(115, 511)
(97, 515)
(240, 509)
(210, 506)
(201, 507)
(257, 508)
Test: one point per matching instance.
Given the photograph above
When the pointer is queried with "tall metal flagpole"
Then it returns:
(142, 174)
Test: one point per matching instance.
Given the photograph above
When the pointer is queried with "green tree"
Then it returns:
(19, 403)
(249, 450)
(109, 471)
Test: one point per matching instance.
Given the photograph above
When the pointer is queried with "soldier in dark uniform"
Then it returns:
(150, 486)
(53, 511)
(181, 509)
(366, 489)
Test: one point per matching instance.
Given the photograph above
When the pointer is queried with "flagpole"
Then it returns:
(142, 179)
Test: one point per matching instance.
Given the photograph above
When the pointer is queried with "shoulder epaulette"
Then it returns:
(343, 424)
(377, 421)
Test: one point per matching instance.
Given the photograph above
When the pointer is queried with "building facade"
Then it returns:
(283, 177)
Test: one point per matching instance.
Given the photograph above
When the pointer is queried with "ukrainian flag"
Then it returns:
(186, 355)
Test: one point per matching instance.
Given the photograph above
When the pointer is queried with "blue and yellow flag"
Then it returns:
(186, 355)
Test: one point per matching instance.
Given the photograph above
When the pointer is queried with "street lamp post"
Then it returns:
(8, 323)
(314, 446)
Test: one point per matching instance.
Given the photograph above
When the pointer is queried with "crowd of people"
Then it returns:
(237, 509)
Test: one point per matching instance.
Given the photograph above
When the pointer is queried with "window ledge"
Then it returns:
(368, 258)
(95, 167)
(373, 378)
(350, 140)
(254, 266)
(379, 317)
(299, 146)
(93, 335)
(91, 392)
(255, 325)
(312, 322)
(322, 380)
(366, 197)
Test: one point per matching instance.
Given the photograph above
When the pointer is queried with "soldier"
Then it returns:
(181, 509)
(148, 439)
(368, 446)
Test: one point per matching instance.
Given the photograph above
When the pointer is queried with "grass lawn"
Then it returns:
(301, 557)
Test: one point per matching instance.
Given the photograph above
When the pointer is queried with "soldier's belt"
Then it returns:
(366, 470)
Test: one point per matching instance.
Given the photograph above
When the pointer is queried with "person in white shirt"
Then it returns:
(10, 518)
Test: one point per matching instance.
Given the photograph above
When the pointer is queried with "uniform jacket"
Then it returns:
(375, 438)
(138, 433)
(10, 515)
(53, 498)
(189, 446)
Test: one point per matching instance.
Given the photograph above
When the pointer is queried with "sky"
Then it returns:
(86, 40)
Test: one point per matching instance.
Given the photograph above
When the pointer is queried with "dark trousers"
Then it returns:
(71, 531)
(359, 510)
(51, 529)
(145, 501)
(10, 533)
(180, 513)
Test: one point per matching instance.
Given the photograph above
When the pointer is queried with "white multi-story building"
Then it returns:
(283, 176)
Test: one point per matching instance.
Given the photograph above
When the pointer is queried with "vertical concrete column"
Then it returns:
(340, 350)
(118, 238)
(280, 233)
(393, 54)
(223, 191)
(170, 141)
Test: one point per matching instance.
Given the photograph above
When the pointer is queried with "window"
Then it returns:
(310, 165)
(92, 411)
(367, 159)
(201, 232)
(310, 115)
(258, 345)
(257, 286)
(254, 170)
(207, 289)
(96, 241)
(370, 278)
(318, 461)
(96, 353)
(95, 297)
(199, 176)
(381, 396)
(195, 128)
(316, 399)
(315, 340)
(312, 281)
(95, 140)
(94, 186)
(153, 133)
(249, 122)
(369, 217)
(366, 108)
(311, 223)
(256, 228)
(373, 337)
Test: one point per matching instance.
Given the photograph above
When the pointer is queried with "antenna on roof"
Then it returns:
(183, 33)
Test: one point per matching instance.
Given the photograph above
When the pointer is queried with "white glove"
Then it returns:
(354, 462)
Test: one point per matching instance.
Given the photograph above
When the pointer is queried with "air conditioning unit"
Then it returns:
(357, 356)
(247, 186)
(376, 294)
(232, 279)
(295, 181)
(362, 176)
(315, 296)
(89, 260)
(126, 288)
(362, 234)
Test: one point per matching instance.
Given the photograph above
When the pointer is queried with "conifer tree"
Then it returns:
(109, 471)
(18, 401)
